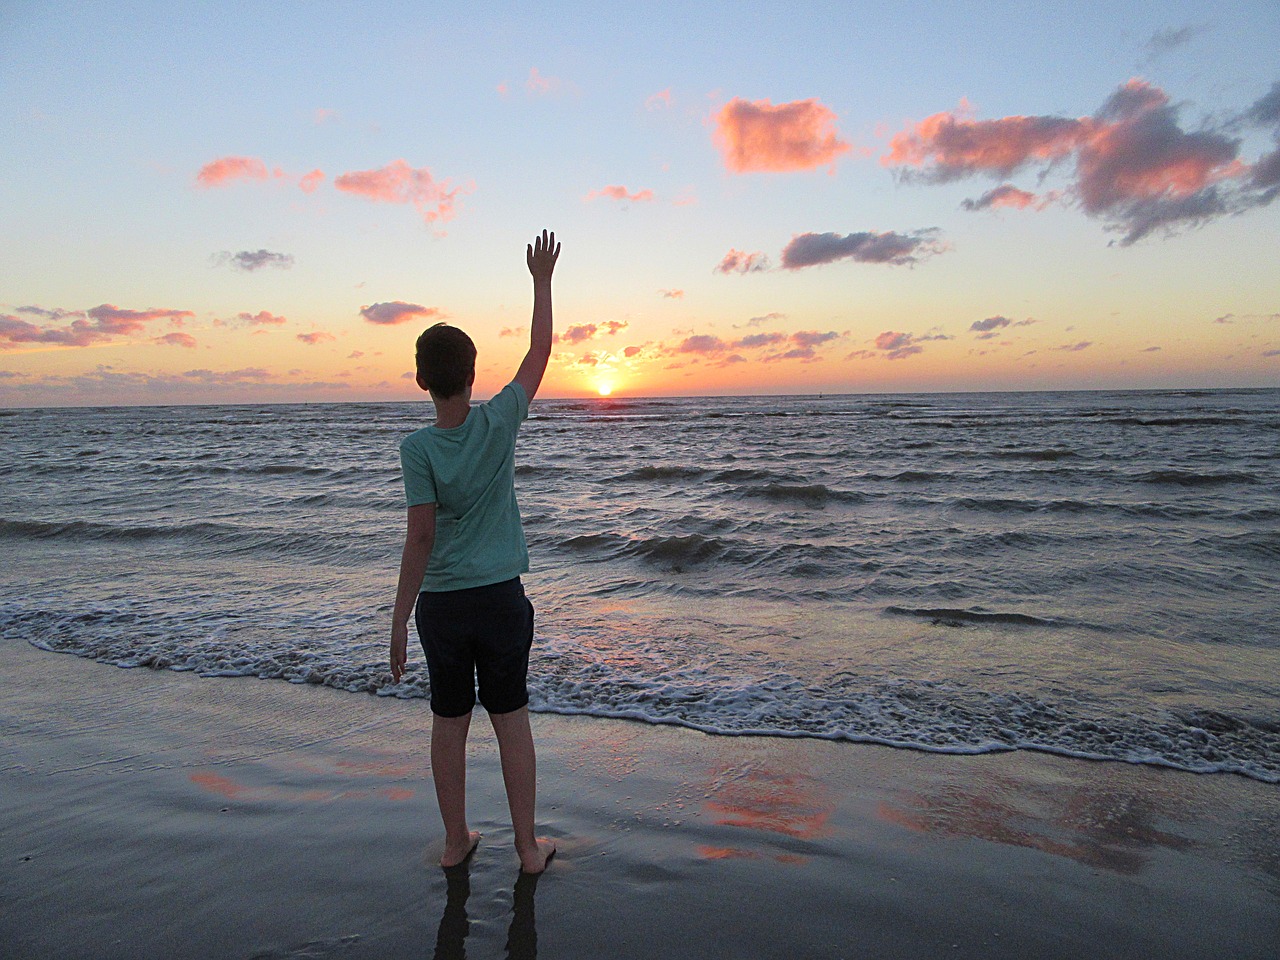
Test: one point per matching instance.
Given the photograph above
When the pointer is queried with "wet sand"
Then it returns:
(154, 814)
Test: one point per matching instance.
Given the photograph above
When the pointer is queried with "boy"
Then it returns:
(463, 555)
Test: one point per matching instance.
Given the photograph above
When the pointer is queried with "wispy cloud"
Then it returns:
(1074, 347)
(316, 337)
(1005, 195)
(658, 101)
(1168, 39)
(813, 249)
(756, 136)
(540, 85)
(619, 193)
(896, 345)
(261, 318)
(398, 311)
(176, 340)
(251, 260)
(990, 327)
(769, 347)
(397, 182)
(671, 294)
(739, 261)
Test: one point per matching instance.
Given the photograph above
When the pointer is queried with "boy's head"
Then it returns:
(446, 360)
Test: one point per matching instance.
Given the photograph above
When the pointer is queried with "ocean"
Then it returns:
(1092, 574)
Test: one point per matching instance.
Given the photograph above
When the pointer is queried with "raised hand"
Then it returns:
(541, 256)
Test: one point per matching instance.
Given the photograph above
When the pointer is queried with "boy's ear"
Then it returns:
(471, 378)
(421, 383)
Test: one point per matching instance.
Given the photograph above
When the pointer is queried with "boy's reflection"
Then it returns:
(451, 938)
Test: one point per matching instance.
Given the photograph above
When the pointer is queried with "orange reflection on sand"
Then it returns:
(1111, 830)
(222, 786)
(760, 799)
(358, 768)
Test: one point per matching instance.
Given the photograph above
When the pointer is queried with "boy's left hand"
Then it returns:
(399, 649)
(541, 255)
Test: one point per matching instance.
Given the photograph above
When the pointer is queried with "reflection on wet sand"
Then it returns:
(1098, 827)
(451, 936)
(229, 789)
(755, 797)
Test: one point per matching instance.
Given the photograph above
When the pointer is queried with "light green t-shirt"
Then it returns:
(468, 471)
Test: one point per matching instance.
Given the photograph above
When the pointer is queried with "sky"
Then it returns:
(268, 202)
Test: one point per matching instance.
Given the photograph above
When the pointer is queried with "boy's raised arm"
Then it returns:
(541, 257)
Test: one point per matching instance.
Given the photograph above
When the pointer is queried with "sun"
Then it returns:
(604, 388)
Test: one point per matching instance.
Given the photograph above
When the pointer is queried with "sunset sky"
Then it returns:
(267, 202)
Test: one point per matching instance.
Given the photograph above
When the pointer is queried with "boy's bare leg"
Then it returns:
(449, 771)
(520, 774)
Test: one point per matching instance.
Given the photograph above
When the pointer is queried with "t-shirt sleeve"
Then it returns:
(511, 405)
(419, 482)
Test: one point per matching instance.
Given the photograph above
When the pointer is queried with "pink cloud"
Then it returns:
(738, 261)
(398, 182)
(1134, 166)
(897, 345)
(311, 180)
(620, 193)
(702, 343)
(112, 319)
(176, 340)
(578, 333)
(1074, 347)
(323, 115)
(316, 337)
(218, 172)
(397, 311)
(511, 331)
(948, 146)
(86, 327)
(671, 294)
(756, 136)
(631, 351)
(1005, 195)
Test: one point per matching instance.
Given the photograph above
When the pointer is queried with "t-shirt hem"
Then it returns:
(470, 582)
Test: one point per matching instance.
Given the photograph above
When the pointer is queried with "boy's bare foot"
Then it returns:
(455, 854)
(535, 861)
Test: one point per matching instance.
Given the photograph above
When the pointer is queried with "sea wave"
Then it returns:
(570, 677)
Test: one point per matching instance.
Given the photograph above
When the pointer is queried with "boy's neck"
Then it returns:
(452, 411)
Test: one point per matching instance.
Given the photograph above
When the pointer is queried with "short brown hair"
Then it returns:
(446, 360)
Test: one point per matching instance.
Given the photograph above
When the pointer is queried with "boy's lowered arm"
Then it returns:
(419, 540)
(541, 257)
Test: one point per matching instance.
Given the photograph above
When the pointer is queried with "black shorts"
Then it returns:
(481, 633)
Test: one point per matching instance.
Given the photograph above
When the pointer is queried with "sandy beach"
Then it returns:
(156, 814)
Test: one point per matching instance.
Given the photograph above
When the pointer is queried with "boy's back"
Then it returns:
(468, 472)
(464, 551)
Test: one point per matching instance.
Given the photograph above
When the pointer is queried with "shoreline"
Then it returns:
(152, 813)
